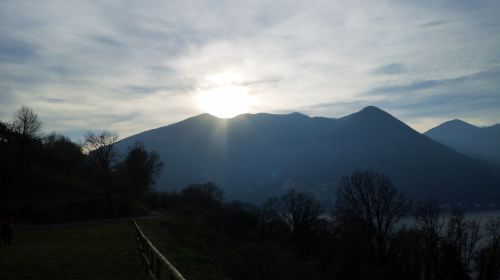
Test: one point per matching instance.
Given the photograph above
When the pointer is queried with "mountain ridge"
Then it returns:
(479, 142)
(253, 156)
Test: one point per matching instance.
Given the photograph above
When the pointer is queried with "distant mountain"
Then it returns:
(253, 156)
(479, 142)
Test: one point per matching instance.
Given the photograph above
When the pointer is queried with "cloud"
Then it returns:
(425, 103)
(435, 23)
(480, 80)
(390, 69)
(414, 86)
(12, 51)
(128, 66)
(52, 100)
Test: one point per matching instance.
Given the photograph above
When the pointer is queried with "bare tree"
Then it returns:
(428, 218)
(26, 123)
(299, 210)
(372, 203)
(206, 195)
(269, 222)
(294, 213)
(464, 234)
(100, 147)
(429, 222)
(488, 258)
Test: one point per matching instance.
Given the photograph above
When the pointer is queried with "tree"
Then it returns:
(370, 201)
(295, 213)
(61, 153)
(140, 168)
(428, 221)
(6, 157)
(6, 134)
(26, 123)
(16, 140)
(463, 234)
(299, 210)
(206, 196)
(488, 258)
(270, 224)
(100, 149)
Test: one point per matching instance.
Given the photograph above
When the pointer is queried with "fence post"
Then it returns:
(152, 258)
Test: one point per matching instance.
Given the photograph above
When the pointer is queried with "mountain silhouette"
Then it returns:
(252, 156)
(479, 142)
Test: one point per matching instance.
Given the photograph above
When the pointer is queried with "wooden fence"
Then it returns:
(157, 266)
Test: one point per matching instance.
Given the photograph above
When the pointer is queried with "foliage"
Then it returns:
(288, 237)
(138, 171)
(46, 179)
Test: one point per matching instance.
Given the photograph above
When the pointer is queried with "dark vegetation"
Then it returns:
(48, 179)
(99, 251)
(288, 237)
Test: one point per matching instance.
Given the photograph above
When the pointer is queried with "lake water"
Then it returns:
(483, 216)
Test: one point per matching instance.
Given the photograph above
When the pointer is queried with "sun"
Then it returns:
(224, 101)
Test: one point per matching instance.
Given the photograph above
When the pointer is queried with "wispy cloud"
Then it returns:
(434, 23)
(390, 69)
(131, 66)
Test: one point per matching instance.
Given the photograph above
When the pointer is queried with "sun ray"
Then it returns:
(224, 101)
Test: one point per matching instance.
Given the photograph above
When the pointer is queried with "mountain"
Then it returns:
(479, 142)
(252, 156)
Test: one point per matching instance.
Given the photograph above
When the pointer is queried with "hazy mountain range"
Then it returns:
(252, 156)
(479, 142)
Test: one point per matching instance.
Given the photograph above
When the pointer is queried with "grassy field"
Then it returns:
(79, 252)
(189, 244)
(201, 251)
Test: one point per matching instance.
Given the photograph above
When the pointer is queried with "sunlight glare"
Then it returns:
(224, 101)
(224, 78)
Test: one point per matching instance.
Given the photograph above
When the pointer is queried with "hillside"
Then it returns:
(479, 142)
(253, 156)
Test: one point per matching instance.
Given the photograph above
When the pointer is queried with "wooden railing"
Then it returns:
(157, 266)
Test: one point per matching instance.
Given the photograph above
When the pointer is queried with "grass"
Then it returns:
(80, 252)
(189, 244)
(201, 251)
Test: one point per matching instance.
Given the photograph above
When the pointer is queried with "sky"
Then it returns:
(130, 66)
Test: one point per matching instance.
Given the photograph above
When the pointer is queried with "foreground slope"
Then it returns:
(253, 156)
(80, 252)
(479, 142)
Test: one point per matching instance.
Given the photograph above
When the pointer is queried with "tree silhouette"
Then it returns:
(463, 234)
(17, 139)
(26, 123)
(140, 168)
(430, 224)
(487, 260)
(370, 201)
(299, 210)
(294, 213)
(206, 195)
(100, 148)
